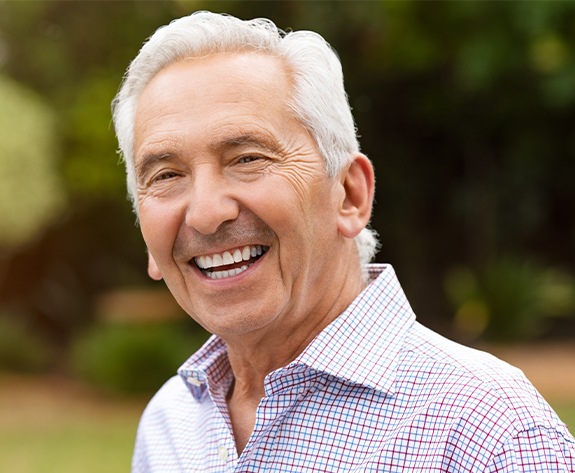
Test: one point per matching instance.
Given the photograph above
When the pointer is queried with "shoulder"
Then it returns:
(485, 408)
(466, 376)
(472, 385)
(165, 426)
(170, 399)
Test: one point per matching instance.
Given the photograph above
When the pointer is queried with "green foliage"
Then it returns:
(509, 299)
(31, 192)
(21, 350)
(511, 291)
(129, 358)
(90, 138)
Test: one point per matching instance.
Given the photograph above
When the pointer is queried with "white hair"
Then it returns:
(318, 98)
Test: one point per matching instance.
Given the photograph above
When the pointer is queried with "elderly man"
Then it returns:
(253, 200)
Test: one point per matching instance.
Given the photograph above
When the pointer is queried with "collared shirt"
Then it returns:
(374, 391)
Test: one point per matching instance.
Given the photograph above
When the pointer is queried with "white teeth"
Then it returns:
(227, 274)
(227, 258)
(217, 260)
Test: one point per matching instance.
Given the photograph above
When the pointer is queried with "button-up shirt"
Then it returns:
(374, 391)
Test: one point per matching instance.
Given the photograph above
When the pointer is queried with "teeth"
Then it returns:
(227, 258)
(217, 260)
(227, 274)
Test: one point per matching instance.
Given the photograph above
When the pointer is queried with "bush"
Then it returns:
(512, 291)
(20, 349)
(129, 358)
(509, 299)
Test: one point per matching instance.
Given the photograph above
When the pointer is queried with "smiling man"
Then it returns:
(254, 201)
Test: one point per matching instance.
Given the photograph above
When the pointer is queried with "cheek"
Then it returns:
(159, 226)
(276, 205)
(299, 219)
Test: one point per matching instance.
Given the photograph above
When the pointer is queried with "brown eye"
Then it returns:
(165, 176)
(248, 159)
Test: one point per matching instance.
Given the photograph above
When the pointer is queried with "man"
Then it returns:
(253, 200)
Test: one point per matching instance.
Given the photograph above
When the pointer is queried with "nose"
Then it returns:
(210, 202)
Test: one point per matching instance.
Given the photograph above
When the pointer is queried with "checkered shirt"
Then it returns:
(374, 391)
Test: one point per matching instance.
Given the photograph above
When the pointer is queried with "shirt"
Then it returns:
(374, 391)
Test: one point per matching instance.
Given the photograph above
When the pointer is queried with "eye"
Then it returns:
(248, 159)
(164, 176)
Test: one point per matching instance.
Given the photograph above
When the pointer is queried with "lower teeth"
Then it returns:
(228, 273)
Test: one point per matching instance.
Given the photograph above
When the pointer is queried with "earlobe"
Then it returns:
(358, 183)
(153, 270)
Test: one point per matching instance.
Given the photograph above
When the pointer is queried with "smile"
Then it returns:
(229, 263)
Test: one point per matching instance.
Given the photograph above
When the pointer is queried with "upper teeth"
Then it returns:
(227, 257)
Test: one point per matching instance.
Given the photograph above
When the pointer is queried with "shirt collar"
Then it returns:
(361, 345)
(209, 366)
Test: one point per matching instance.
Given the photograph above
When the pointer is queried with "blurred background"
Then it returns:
(467, 110)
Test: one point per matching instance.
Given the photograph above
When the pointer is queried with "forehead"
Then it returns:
(257, 68)
(212, 92)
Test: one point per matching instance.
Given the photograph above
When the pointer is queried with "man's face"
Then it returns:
(235, 206)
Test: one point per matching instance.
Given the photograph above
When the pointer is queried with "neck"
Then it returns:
(253, 356)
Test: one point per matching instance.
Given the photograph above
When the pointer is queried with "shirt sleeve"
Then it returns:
(537, 450)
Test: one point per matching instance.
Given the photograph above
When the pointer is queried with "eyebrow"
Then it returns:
(259, 140)
(148, 161)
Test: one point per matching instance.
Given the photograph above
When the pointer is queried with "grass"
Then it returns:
(55, 426)
(566, 412)
(79, 446)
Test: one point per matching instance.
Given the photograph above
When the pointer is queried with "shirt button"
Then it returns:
(223, 453)
(194, 381)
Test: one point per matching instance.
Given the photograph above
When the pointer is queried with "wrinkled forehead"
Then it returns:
(221, 98)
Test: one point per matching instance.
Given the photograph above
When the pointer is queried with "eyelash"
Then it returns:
(164, 176)
(248, 159)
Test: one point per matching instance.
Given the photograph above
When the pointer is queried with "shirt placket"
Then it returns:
(284, 389)
(223, 453)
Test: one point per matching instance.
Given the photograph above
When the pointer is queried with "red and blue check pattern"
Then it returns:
(374, 392)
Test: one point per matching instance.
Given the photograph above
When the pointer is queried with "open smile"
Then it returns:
(229, 263)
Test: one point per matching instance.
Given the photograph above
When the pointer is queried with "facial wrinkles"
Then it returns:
(155, 124)
(301, 167)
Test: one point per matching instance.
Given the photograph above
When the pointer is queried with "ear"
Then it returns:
(153, 270)
(358, 183)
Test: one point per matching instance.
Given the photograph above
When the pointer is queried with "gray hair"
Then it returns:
(318, 99)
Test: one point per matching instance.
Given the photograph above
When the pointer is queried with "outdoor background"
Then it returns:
(467, 110)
